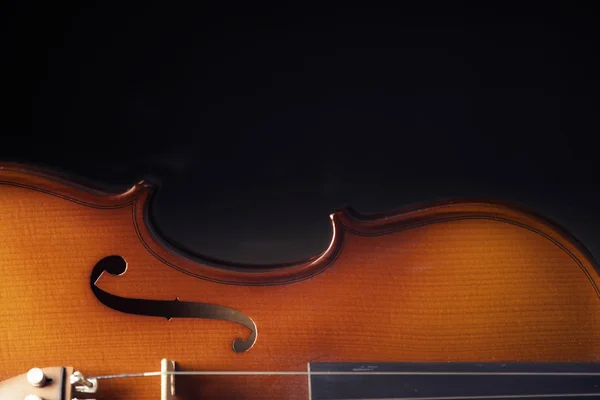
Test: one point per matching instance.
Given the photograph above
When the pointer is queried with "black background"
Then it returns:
(259, 121)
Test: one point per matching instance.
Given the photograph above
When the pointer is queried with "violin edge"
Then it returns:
(71, 186)
(344, 220)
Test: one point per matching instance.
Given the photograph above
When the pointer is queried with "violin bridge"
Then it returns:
(167, 379)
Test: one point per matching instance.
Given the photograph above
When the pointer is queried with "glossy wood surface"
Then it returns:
(456, 281)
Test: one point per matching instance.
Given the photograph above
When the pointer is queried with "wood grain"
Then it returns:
(455, 281)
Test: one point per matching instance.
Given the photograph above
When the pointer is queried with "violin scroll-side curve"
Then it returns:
(116, 265)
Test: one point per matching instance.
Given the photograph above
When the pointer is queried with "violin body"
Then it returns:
(462, 281)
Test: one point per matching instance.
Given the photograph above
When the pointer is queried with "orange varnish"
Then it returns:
(455, 281)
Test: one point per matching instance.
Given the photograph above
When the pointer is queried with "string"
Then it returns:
(312, 373)
(508, 396)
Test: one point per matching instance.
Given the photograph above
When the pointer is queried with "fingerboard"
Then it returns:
(453, 381)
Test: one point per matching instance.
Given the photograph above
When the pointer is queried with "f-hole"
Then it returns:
(116, 265)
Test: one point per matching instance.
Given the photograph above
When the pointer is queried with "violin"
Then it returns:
(463, 299)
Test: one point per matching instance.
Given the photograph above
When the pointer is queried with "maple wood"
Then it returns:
(453, 281)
